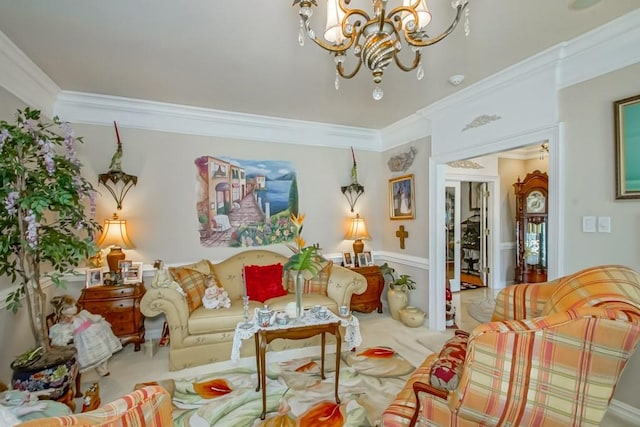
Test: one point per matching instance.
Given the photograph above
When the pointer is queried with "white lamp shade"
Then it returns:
(114, 233)
(333, 30)
(424, 16)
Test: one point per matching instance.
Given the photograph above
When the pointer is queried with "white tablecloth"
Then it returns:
(222, 222)
(352, 334)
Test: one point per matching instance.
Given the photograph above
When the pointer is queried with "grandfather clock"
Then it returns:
(531, 227)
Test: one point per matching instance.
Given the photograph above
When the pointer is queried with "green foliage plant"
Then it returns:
(404, 282)
(44, 231)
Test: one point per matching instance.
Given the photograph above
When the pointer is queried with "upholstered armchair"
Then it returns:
(551, 356)
(149, 406)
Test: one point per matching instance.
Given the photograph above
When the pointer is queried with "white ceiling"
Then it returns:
(243, 56)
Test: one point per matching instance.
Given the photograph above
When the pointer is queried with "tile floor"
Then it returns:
(129, 368)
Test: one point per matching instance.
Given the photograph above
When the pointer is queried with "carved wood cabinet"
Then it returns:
(120, 306)
(531, 228)
(370, 299)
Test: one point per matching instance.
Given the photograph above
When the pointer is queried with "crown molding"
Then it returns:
(607, 48)
(405, 130)
(79, 107)
(24, 79)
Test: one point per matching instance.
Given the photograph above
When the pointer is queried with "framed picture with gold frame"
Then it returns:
(627, 127)
(401, 197)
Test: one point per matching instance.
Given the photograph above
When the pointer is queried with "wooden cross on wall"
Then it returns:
(401, 234)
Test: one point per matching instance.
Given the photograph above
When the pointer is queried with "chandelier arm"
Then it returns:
(414, 64)
(344, 75)
(419, 42)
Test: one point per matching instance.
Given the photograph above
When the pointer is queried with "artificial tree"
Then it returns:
(44, 232)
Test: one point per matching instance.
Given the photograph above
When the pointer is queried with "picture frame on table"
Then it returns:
(362, 260)
(93, 277)
(368, 257)
(401, 198)
(347, 259)
(133, 274)
(124, 265)
(627, 135)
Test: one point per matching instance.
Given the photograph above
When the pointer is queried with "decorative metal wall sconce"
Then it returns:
(116, 181)
(354, 190)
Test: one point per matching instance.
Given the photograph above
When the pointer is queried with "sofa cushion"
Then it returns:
(264, 281)
(447, 368)
(193, 283)
(316, 285)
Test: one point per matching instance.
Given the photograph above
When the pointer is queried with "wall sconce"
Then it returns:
(357, 232)
(354, 190)
(117, 182)
(544, 150)
(114, 234)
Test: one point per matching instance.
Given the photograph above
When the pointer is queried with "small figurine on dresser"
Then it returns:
(90, 333)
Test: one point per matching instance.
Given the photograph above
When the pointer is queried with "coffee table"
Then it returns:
(295, 332)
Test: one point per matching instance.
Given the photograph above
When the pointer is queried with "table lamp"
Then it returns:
(357, 232)
(114, 234)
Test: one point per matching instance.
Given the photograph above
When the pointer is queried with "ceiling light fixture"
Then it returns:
(375, 40)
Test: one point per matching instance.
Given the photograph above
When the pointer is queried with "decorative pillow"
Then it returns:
(316, 285)
(216, 297)
(446, 370)
(264, 281)
(193, 283)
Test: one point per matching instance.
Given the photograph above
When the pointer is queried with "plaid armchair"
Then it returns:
(149, 406)
(551, 356)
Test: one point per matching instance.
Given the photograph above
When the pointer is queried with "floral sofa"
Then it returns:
(199, 335)
(551, 356)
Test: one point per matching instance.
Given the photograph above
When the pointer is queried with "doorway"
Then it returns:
(468, 227)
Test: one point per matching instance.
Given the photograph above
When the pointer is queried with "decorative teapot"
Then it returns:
(266, 316)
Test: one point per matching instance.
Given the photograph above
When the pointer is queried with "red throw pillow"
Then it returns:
(264, 282)
(446, 370)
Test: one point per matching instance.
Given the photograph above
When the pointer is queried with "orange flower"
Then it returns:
(212, 388)
(325, 414)
(297, 220)
(378, 353)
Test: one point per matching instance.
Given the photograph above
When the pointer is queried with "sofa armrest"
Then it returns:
(522, 301)
(343, 283)
(173, 305)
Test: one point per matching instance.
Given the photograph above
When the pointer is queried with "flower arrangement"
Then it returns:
(43, 227)
(305, 260)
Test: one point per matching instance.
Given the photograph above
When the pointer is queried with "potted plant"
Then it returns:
(44, 232)
(305, 262)
(399, 287)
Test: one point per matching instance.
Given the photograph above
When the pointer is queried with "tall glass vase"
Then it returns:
(299, 308)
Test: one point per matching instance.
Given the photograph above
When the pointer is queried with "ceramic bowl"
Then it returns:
(412, 316)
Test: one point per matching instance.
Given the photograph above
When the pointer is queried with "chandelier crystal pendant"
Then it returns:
(375, 40)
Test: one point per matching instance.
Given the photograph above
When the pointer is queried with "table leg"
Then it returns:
(322, 358)
(263, 348)
(338, 347)
(257, 341)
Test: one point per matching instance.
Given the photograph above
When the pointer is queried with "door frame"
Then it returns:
(554, 135)
(457, 244)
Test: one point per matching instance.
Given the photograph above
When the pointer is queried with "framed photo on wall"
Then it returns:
(627, 127)
(347, 259)
(401, 197)
(94, 277)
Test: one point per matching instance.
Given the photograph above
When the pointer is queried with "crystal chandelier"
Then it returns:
(375, 41)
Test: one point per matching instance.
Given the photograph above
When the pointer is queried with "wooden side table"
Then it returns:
(120, 306)
(370, 299)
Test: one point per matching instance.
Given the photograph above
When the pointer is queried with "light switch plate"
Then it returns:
(604, 224)
(588, 224)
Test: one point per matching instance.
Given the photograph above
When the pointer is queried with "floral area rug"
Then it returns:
(296, 393)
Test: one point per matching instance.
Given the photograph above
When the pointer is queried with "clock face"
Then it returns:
(535, 202)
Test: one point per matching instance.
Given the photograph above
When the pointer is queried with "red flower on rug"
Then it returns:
(213, 388)
(325, 414)
(378, 353)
